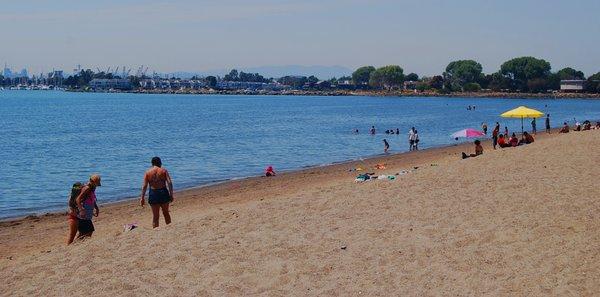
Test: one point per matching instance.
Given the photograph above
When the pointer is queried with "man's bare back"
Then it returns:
(157, 177)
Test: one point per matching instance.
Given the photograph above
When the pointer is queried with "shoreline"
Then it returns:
(307, 168)
(52, 226)
(227, 191)
(129, 199)
(371, 93)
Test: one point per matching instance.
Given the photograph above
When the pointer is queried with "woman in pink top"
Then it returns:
(87, 206)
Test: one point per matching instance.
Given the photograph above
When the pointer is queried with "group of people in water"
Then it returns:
(82, 205)
(413, 137)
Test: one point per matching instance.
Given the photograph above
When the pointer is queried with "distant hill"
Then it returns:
(322, 72)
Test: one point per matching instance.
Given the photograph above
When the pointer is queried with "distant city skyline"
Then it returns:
(203, 36)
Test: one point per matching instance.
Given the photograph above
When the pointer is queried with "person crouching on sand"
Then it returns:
(269, 171)
(478, 150)
(159, 196)
(87, 206)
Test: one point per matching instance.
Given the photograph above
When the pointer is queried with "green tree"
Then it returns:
(232, 76)
(461, 72)
(437, 82)
(211, 81)
(295, 82)
(553, 81)
(312, 80)
(570, 73)
(412, 77)
(498, 82)
(472, 87)
(390, 76)
(537, 85)
(362, 75)
(521, 70)
(593, 83)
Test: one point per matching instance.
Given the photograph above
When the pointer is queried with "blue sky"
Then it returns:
(421, 36)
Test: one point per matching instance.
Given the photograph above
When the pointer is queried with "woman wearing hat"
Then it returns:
(87, 206)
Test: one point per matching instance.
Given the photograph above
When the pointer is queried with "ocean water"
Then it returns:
(52, 139)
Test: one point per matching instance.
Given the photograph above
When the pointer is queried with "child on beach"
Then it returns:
(269, 171)
(87, 206)
(565, 128)
(160, 193)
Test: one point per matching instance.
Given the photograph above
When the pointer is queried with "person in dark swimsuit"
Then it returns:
(159, 196)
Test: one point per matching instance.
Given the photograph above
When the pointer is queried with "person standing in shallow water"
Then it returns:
(548, 123)
(386, 146)
(159, 196)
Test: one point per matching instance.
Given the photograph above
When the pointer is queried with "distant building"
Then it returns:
(7, 72)
(572, 85)
(106, 84)
(239, 85)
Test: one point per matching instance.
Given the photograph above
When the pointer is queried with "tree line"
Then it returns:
(523, 74)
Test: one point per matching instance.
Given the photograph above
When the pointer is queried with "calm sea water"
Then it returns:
(52, 139)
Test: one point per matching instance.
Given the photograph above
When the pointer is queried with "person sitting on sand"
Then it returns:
(565, 128)
(597, 125)
(513, 140)
(502, 141)
(386, 146)
(587, 125)
(478, 150)
(87, 206)
(577, 126)
(269, 171)
(527, 138)
(159, 196)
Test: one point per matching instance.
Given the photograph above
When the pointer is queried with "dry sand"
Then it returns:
(513, 222)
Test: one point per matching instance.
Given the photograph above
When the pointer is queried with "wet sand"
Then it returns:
(515, 221)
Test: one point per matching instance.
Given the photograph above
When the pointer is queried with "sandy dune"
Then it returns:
(514, 222)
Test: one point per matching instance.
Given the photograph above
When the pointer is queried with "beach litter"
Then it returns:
(129, 227)
(355, 169)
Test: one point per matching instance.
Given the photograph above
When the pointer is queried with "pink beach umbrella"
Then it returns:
(467, 133)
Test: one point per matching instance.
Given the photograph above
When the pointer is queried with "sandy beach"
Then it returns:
(512, 222)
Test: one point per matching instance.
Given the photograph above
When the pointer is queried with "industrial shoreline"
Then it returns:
(373, 93)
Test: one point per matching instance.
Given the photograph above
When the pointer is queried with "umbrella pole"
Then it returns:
(522, 128)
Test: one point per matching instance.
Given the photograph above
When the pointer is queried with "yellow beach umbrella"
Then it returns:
(522, 112)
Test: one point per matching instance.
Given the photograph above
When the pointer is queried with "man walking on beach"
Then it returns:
(159, 196)
(548, 123)
(495, 135)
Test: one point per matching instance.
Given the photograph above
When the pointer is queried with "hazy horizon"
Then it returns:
(202, 36)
